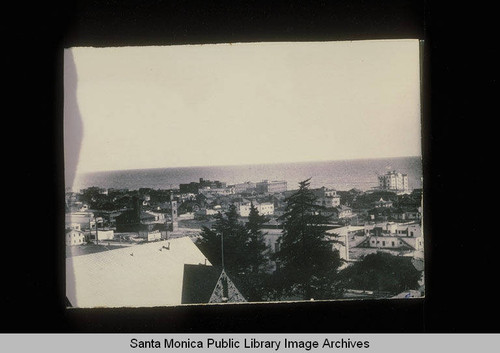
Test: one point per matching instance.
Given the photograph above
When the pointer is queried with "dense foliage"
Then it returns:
(381, 272)
(240, 249)
(307, 263)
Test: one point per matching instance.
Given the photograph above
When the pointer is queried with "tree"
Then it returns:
(245, 253)
(256, 257)
(225, 241)
(307, 262)
(381, 272)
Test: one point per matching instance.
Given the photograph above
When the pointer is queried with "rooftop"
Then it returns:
(144, 275)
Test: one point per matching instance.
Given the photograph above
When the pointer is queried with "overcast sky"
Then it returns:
(197, 105)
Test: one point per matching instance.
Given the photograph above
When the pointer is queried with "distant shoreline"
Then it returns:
(339, 174)
(247, 165)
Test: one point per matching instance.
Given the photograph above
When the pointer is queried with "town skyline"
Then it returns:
(125, 227)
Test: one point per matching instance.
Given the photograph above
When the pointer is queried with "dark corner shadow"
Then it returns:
(73, 134)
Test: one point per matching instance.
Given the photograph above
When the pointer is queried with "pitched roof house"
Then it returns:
(144, 275)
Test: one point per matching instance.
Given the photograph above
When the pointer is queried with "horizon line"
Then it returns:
(245, 164)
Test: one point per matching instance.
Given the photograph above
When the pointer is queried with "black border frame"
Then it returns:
(34, 298)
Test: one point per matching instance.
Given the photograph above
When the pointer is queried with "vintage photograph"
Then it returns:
(243, 173)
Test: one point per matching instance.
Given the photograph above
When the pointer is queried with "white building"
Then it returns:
(342, 238)
(76, 226)
(385, 227)
(271, 187)
(186, 216)
(152, 235)
(207, 212)
(265, 208)
(342, 212)
(394, 241)
(244, 187)
(105, 234)
(74, 237)
(211, 192)
(394, 181)
(328, 201)
(159, 217)
(394, 235)
(86, 220)
(326, 197)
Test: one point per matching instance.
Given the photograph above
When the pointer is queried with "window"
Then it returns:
(392, 243)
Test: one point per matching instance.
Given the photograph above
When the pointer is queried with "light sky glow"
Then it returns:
(198, 105)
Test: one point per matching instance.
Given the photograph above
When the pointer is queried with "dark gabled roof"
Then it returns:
(219, 295)
(199, 283)
(405, 244)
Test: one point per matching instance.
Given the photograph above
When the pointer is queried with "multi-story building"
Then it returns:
(324, 192)
(341, 212)
(74, 237)
(271, 187)
(244, 187)
(265, 208)
(394, 181)
(211, 192)
(394, 235)
(326, 197)
(195, 187)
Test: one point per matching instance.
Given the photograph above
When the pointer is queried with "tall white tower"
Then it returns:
(173, 213)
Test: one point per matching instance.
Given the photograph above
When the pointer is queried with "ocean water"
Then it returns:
(341, 175)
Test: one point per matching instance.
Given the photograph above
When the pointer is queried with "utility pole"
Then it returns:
(222, 249)
(225, 289)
